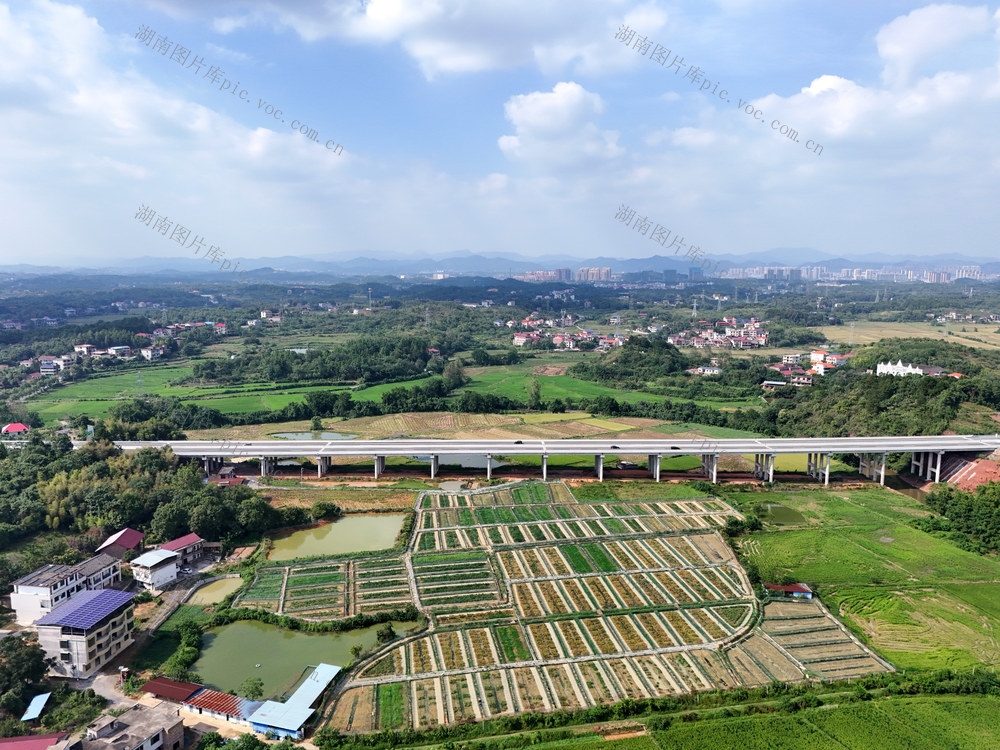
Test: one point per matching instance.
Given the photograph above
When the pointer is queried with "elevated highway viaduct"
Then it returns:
(926, 451)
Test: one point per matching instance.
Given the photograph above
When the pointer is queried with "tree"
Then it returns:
(170, 520)
(356, 651)
(252, 688)
(453, 376)
(317, 424)
(22, 661)
(385, 633)
(534, 394)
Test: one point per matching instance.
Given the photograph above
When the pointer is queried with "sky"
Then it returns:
(519, 127)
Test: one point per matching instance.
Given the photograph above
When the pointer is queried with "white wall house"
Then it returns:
(156, 569)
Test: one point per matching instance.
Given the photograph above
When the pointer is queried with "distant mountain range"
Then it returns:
(469, 263)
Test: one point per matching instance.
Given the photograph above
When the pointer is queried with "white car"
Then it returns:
(186, 571)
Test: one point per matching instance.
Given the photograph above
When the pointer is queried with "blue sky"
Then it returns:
(498, 126)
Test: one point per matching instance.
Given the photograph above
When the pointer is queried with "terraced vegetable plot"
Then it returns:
(539, 602)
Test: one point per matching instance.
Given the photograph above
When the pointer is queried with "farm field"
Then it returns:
(918, 599)
(541, 600)
(870, 331)
(917, 723)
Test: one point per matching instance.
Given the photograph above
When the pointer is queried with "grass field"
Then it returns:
(918, 599)
(921, 723)
(868, 332)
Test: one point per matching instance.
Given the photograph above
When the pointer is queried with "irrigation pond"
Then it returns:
(352, 533)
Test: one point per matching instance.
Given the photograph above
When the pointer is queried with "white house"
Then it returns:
(898, 369)
(156, 569)
(42, 590)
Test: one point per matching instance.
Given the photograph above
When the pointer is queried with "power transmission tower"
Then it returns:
(694, 309)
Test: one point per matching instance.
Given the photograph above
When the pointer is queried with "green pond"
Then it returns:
(215, 592)
(352, 533)
(782, 515)
(231, 653)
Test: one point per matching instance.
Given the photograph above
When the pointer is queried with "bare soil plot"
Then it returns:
(565, 692)
(530, 692)
(426, 704)
(628, 678)
(748, 671)
(354, 711)
(496, 693)
(714, 667)
(776, 663)
(573, 637)
(594, 683)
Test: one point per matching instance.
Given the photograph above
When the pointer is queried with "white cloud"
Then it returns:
(907, 40)
(555, 129)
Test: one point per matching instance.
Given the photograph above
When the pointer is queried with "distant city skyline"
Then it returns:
(408, 129)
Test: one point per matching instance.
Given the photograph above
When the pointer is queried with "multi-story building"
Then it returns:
(42, 590)
(140, 728)
(100, 572)
(86, 632)
(188, 548)
(155, 570)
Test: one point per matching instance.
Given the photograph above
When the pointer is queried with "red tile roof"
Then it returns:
(16, 427)
(791, 588)
(164, 687)
(32, 741)
(182, 542)
(223, 703)
(126, 538)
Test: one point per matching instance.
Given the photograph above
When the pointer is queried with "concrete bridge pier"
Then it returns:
(934, 466)
(435, 463)
(710, 466)
(654, 466)
(818, 466)
(322, 465)
(265, 466)
(599, 466)
(379, 466)
(489, 466)
(545, 466)
(763, 466)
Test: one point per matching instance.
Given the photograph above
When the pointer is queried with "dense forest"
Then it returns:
(366, 359)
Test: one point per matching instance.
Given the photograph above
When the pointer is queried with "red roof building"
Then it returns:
(231, 708)
(798, 590)
(188, 548)
(123, 541)
(32, 741)
(164, 687)
(15, 427)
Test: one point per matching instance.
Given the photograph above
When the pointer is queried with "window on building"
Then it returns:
(64, 657)
(64, 645)
(157, 739)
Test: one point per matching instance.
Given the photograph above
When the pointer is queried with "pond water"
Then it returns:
(465, 460)
(231, 653)
(782, 515)
(314, 435)
(215, 592)
(353, 533)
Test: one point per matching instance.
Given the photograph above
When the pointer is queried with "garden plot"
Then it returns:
(355, 710)
(807, 631)
(455, 580)
(523, 581)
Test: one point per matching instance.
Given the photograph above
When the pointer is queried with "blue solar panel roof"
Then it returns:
(86, 609)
